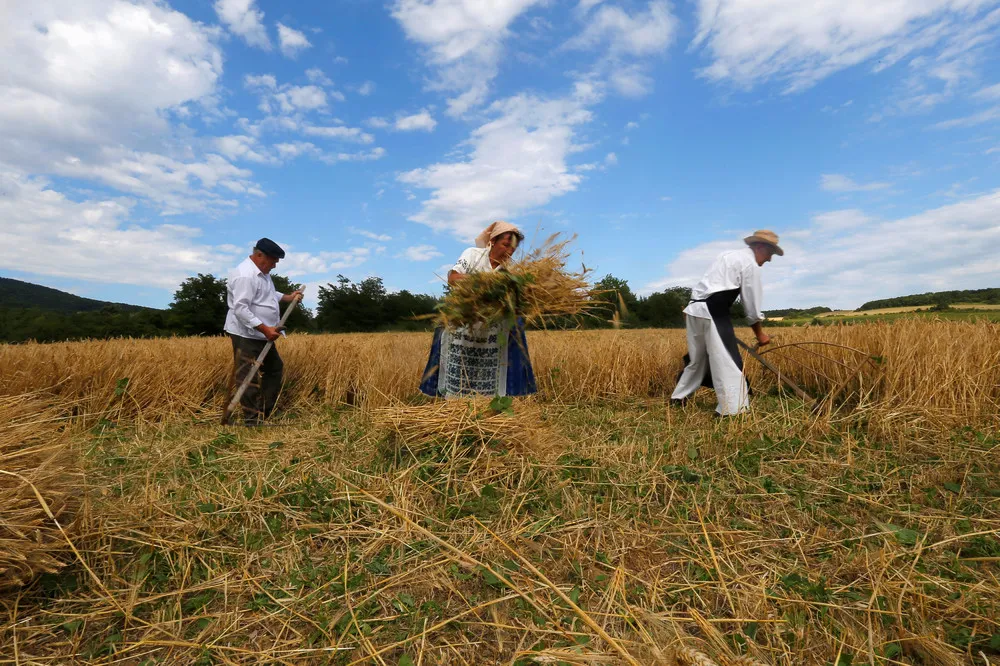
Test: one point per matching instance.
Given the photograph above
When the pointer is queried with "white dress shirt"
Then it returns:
(474, 260)
(252, 301)
(736, 269)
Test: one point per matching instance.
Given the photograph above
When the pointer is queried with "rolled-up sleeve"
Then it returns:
(752, 294)
(242, 289)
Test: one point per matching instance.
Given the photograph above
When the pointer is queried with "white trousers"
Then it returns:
(706, 349)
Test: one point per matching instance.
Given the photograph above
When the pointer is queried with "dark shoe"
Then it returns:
(675, 402)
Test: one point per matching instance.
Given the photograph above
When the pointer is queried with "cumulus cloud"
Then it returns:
(318, 76)
(422, 121)
(366, 88)
(642, 34)
(93, 239)
(241, 147)
(798, 43)
(835, 182)
(463, 41)
(306, 263)
(421, 253)
(514, 162)
(89, 93)
(844, 258)
(628, 42)
(244, 19)
(292, 41)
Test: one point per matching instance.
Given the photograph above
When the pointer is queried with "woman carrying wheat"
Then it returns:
(481, 358)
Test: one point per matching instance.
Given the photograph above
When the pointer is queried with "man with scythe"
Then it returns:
(715, 358)
(252, 323)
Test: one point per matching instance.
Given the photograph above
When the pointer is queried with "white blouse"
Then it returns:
(474, 260)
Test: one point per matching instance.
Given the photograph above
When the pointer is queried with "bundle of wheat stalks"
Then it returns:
(40, 490)
(537, 289)
(471, 423)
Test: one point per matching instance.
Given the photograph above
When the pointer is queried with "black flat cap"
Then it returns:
(270, 248)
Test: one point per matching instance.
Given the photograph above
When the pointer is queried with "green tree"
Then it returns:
(199, 306)
(301, 318)
(664, 309)
(348, 306)
(403, 308)
(618, 297)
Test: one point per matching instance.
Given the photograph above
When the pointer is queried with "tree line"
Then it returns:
(942, 299)
(199, 308)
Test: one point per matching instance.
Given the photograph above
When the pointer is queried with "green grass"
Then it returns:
(798, 541)
(948, 315)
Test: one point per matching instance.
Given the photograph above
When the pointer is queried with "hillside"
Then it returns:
(986, 296)
(19, 294)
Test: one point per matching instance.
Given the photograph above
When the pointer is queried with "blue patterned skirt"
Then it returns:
(479, 360)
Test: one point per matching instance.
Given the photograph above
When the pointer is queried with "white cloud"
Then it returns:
(378, 123)
(291, 101)
(629, 41)
(835, 182)
(989, 92)
(305, 263)
(293, 149)
(463, 40)
(971, 120)
(241, 147)
(93, 239)
(260, 82)
(840, 220)
(514, 162)
(292, 41)
(419, 121)
(300, 98)
(611, 159)
(89, 92)
(642, 34)
(845, 258)
(366, 88)
(421, 253)
(318, 76)
(244, 19)
(354, 134)
(376, 153)
(631, 126)
(801, 43)
(382, 238)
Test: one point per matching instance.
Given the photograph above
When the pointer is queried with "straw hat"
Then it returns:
(766, 237)
(497, 228)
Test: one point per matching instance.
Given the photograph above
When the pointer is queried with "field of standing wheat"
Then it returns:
(590, 524)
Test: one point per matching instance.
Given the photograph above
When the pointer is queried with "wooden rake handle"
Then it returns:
(231, 407)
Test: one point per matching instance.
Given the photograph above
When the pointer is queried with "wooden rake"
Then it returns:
(227, 413)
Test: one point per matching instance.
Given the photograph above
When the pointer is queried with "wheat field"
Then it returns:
(591, 525)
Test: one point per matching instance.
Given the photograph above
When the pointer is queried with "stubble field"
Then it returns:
(589, 524)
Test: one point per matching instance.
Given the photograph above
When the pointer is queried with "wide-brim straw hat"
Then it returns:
(496, 229)
(768, 238)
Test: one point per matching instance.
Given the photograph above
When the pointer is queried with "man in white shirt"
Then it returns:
(715, 359)
(251, 323)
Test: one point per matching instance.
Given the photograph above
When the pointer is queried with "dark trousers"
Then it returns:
(262, 392)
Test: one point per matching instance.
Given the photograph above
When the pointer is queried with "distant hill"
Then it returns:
(987, 296)
(796, 312)
(18, 294)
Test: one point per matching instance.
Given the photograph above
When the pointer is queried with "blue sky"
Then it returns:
(145, 142)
